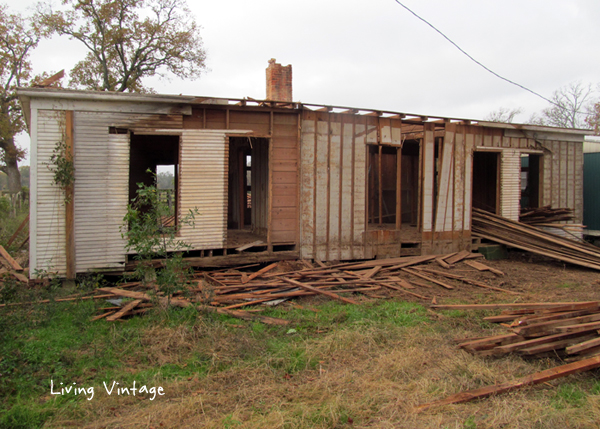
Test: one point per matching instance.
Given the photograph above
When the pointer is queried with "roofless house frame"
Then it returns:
(278, 179)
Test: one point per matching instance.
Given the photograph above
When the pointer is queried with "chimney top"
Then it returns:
(279, 81)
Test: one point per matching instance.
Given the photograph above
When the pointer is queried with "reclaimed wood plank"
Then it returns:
(319, 291)
(538, 377)
(123, 311)
(482, 267)
(13, 264)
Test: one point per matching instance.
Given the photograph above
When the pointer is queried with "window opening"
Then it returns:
(530, 181)
(383, 189)
(165, 186)
(154, 161)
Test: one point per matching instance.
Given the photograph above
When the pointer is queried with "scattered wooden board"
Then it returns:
(458, 257)
(122, 312)
(249, 245)
(538, 377)
(13, 264)
(482, 267)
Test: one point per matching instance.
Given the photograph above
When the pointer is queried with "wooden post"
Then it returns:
(380, 189)
(399, 188)
(69, 203)
(270, 184)
(353, 187)
(328, 189)
(341, 190)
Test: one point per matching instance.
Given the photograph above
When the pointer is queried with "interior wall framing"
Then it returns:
(447, 188)
(281, 128)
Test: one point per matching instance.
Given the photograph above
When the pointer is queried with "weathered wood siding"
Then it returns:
(284, 179)
(315, 194)
(562, 166)
(203, 168)
(333, 185)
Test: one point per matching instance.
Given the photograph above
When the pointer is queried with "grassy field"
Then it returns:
(334, 366)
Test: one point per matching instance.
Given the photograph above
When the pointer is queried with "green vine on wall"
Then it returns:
(62, 166)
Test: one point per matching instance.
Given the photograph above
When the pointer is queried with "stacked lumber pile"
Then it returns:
(419, 277)
(526, 237)
(545, 215)
(567, 330)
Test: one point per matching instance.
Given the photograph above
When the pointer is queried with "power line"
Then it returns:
(477, 62)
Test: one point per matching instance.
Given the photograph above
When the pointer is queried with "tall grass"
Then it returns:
(334, 366)
(10, 220)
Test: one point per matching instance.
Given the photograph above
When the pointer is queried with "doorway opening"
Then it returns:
(485, 181)
(393, 189)
(248, 189)
(410, 182)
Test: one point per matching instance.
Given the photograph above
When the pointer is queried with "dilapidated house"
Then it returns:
(275, 179)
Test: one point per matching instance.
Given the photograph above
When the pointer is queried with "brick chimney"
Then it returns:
(279, 81)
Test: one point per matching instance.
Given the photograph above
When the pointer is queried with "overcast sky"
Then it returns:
(375, 54)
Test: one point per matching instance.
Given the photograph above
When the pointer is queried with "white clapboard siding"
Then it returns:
(203, 186)
(101, 189)
(510, 184)
(49, 242)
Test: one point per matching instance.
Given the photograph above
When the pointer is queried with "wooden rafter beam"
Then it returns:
(51, 80)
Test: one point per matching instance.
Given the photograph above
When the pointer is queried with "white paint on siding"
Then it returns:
(591, 145)
(101, 190)
(510, 184)
(203, 185)
(48, 223)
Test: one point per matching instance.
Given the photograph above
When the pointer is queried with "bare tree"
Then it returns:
(570, 107)
(593, 119)
(17, 39)
(128, 40)
(503, 114)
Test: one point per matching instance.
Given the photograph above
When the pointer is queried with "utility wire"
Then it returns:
(477, 62)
